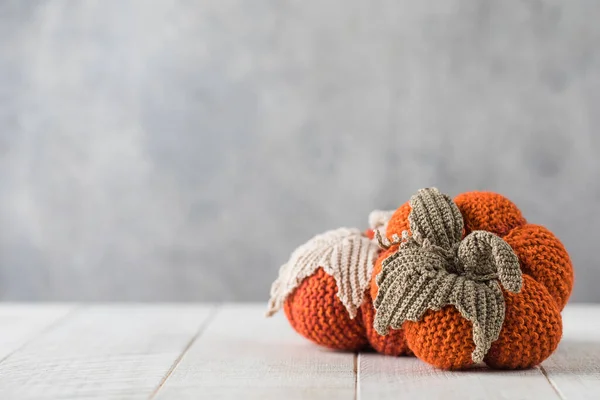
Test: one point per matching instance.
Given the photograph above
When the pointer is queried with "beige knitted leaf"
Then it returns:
(483, 253)
(344, 253)
(483, 305)
(411, 281)
(434, 216)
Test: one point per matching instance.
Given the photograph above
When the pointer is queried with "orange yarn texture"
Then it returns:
(316, 312)
(532, 324)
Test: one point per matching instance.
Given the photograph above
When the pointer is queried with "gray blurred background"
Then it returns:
(180, 150)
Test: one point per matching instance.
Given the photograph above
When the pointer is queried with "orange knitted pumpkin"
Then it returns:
(531, 327)
(324, 291)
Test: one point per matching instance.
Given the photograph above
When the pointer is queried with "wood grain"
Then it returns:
(574, 369)
(20, 323)
(103, 352)
(243, 355)
(382, 377)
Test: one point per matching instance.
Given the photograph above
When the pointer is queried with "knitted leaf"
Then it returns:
(435, 217)
(483, 253)
(343, 253)
(410, 283)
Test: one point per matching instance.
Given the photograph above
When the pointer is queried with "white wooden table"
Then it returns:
(186, 351)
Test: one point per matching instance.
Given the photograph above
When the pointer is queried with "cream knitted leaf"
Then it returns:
(344, 253)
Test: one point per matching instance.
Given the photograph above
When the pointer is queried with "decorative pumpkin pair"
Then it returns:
(453, 282)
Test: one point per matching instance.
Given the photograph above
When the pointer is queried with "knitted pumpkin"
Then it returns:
(323, 289)
(469, 280)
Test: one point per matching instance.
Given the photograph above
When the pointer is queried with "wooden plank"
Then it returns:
(103, 352)
(574, 369)
(20, 323)
(381, 377)
(244, 355)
